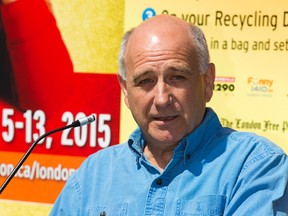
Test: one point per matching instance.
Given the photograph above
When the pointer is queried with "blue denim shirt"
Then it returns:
(214, 171)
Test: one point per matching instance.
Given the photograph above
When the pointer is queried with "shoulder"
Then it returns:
(100, 163)
(254, 142)
(255, 151)
(112, 153)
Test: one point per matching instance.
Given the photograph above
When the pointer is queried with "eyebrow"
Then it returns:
(176, 67)
(140, 74)
(184, 68)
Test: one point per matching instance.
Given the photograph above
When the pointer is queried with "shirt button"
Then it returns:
(159, 181)
(188, 156)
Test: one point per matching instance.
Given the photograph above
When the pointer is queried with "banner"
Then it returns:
(248, 43)
(53, 72)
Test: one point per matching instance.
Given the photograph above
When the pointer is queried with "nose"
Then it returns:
(162, 96)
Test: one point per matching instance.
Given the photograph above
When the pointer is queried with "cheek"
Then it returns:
(193, 100)
(138, 109)
(136, 102)
(141, 104)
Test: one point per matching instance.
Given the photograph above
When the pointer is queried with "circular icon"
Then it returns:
(148, 13)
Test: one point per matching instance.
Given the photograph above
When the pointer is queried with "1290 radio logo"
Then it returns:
(224, 84)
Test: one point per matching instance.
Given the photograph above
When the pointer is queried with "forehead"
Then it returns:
(164, 31)
(164, 39)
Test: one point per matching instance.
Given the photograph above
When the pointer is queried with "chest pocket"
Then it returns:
(210, 205)
(119, 209)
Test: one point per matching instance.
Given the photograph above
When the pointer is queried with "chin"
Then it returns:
(165, 137)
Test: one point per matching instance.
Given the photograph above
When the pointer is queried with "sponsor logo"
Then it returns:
(260, 86)
(224, 84)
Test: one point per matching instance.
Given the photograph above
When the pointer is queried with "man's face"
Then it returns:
(164, 90)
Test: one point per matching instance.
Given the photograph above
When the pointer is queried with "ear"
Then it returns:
(123, 86)
(209, 81)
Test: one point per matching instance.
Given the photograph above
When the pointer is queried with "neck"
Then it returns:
(158, 157)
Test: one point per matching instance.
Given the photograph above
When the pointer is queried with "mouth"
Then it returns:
(165, 119)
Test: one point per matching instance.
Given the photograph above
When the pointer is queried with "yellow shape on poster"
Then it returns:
(92, 31)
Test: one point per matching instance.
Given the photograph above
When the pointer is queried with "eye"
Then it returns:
(178, 77)
(145, 81)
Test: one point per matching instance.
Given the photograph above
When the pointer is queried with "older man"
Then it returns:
(180, 161)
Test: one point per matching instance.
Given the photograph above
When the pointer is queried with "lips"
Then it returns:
(166, 118)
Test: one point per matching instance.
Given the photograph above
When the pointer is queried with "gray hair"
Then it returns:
(198, 38)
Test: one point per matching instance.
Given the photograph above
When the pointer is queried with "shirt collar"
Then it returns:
(202, 134)
(189, 144)
(136, 142)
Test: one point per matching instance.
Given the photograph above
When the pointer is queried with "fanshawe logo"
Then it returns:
(224, 84)
(260, 86)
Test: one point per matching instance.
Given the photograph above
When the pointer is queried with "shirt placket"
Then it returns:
(155, 203)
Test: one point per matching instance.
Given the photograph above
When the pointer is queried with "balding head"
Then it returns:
(168, 26)
(162, 29)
